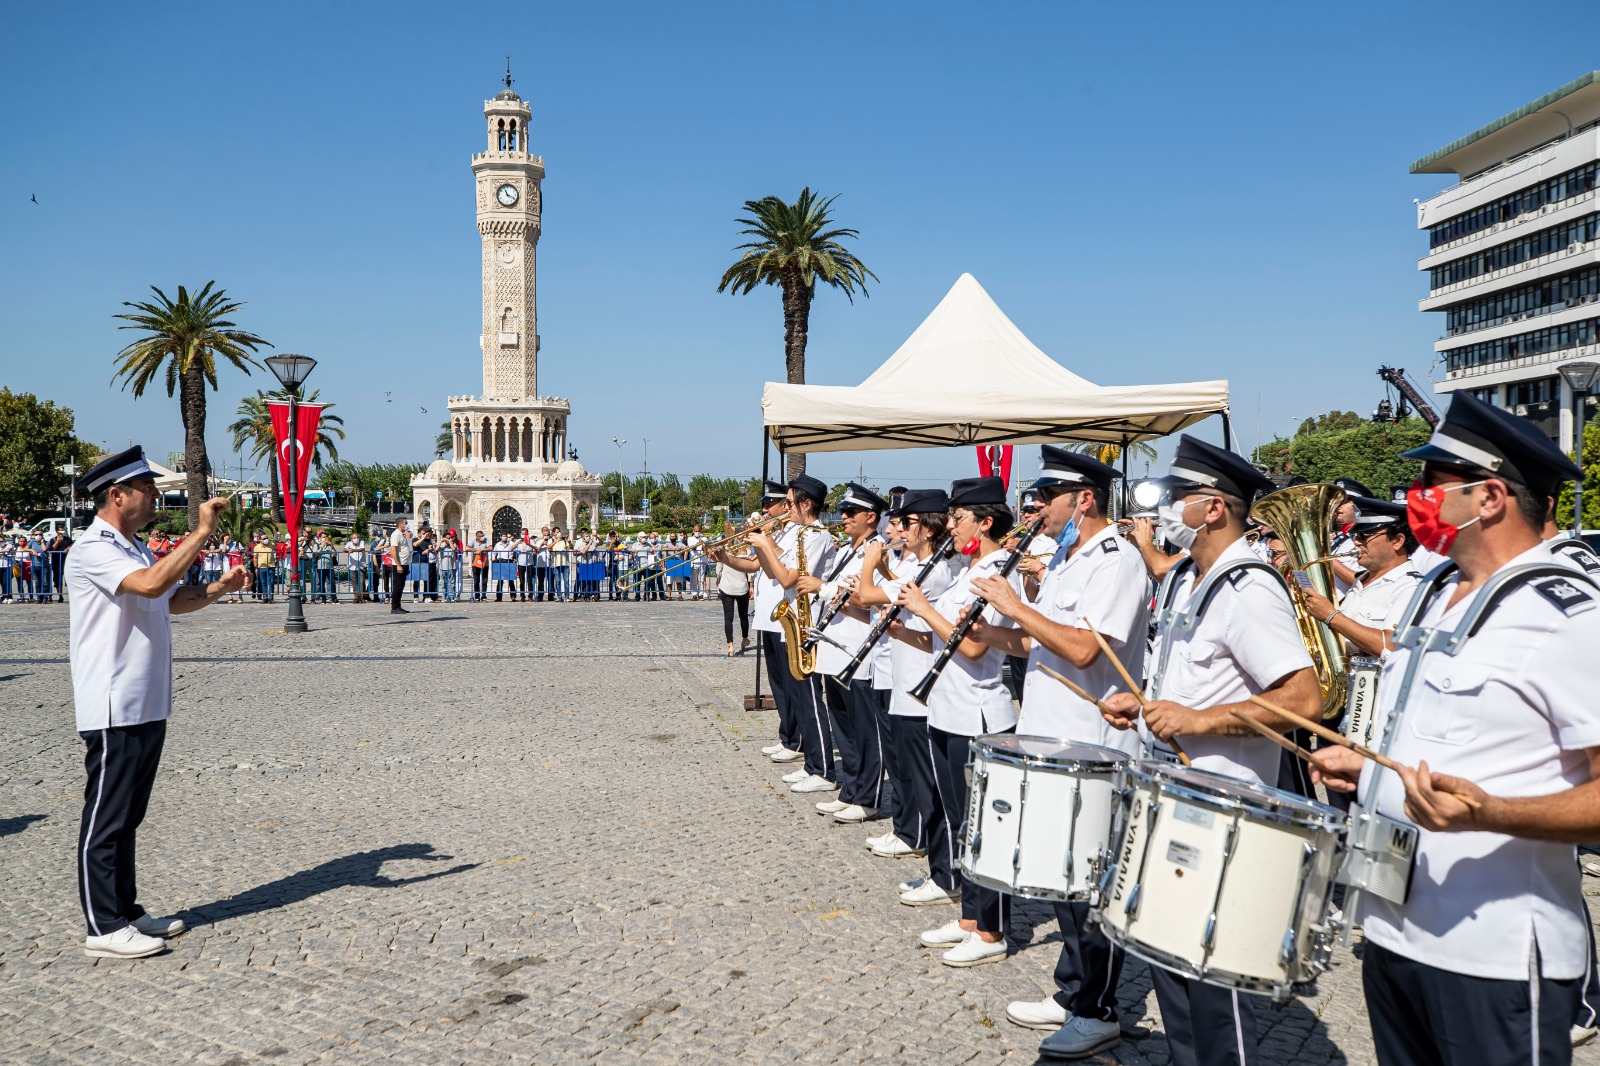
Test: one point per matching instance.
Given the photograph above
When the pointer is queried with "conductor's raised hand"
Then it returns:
(1001, 596)
(234, 580)
(1121, 710)
(210, 511)
(1344, 768)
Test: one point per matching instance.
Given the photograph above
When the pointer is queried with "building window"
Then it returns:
(1537, 298)
(1545, 241)
(502, 135)
(1525, 201)
(1536, 342)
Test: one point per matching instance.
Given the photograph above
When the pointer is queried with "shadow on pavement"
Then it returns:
(8, 826)
(361, 870)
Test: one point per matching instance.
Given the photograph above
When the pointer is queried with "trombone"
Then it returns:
(639, 575)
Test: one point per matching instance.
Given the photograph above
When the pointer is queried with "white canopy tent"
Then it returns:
(969, 376)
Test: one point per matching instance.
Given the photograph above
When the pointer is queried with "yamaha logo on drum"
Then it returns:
(1000, 806)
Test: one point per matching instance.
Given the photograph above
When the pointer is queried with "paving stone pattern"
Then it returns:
(496, 834)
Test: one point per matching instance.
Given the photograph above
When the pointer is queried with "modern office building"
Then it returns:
(1512, 260)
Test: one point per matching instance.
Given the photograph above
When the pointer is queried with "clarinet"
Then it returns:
(963, 627)
(887, 617)
(833, 607)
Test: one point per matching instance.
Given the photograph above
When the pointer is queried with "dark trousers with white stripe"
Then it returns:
(1089, 966)
(916, 806)
(121, 765)
(1424, 1016)
(854, 708)
(811, 717)
(1588, 1012)
(773, 655)
(1206, 1025)
(983, 905)
(891, 756)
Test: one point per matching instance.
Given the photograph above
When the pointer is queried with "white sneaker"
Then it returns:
(125, 943)
(975, 951)
(1081, 1037)
(1582, 1034)
(831, 807)
(948, 933)
(813, 783)
(879, 840)
(773, 749)
(1590, 864)
(915, 882)
(854, 812)
(928, 894)
(1044, 1014)
(165, 928)
(895, 848)
(784, 754)
(794, 776)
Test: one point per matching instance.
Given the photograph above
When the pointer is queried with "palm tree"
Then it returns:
(793, 248)
(1108, 453)
(443, 444)
(252, 430)
(182, 339)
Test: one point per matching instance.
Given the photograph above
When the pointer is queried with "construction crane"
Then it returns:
(1408, 392)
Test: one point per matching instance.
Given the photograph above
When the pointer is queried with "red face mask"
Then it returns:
(1422, 515)
(971, 547)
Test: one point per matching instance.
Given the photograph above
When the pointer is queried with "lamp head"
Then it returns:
(291, 370)
(1580, 376)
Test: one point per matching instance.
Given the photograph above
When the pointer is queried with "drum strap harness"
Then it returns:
(1172, 624)
(1382, 849)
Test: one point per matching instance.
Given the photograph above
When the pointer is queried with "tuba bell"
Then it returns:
(1302, 515)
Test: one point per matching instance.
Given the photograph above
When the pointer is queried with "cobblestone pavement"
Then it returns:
(520, 834)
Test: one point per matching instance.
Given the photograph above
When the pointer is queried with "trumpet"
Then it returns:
(640, 574)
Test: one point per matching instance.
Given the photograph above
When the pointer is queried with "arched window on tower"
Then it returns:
(502, 135)
(513, 135)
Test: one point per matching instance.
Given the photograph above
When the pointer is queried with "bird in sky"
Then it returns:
(386, 395)
(34, 197)
(424, 410)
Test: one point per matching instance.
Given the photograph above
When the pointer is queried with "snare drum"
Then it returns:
(1039, 815)
(1222, 880)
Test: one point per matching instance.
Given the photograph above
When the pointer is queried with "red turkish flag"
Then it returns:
(302, 443)
(994, 460)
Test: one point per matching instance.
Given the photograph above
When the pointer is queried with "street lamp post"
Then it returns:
(622, 483)
(1580, 378)
(292, 371)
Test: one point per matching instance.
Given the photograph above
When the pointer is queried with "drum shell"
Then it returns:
(1226, 882)
(1039, 824)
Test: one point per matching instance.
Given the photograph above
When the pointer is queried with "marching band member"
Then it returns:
(1384, 579)
(1568, 547)
(1484, 961)
(806, 497)
(918, 825)
(854, 707)
(765, 593)
(1242, 640)
(969, 700)
(1093, 575)
(1342, 544)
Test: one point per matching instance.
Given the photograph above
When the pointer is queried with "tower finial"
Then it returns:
(508, 72)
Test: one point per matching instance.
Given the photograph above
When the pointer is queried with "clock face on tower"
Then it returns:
(506, 194)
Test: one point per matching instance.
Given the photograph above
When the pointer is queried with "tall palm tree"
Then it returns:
(793, 247)
(183, 338)
(444, 443)
(1109, 453)
(252, 430)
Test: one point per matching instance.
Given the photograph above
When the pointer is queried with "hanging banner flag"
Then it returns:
(300, 443)
(994, 460)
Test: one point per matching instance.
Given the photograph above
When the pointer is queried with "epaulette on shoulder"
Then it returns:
(1569, 597)
(1110, 544)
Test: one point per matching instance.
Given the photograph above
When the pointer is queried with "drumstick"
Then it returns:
(1281, 740)
(1133, 686)
(1077, 689)
(1339, 738)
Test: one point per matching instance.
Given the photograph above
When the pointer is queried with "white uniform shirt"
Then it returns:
(1344, 549)
(909, 665)
(1575, 553)
(846, 630)
(820, 548)
(121, 645)
(1426, 561)
(1245, 642)
(970, 699)
(1379, 605)
(1512, 711)
(765, 592)
(1105, 581)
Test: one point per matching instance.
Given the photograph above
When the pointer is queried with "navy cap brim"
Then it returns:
(1432, 453)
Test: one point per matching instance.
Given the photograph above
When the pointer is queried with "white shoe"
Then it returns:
(855, 812)
(1044, 1014)
(831, 807)
(1590, 864)
(794, 776)
(895, 848)
(879, 840)
(948, 933)
(165, 928)
(1582, 1034)
(784, 754)
(771, 749)
(928, 894)
(125, 943)
(813, 783)
(1081, 1037)
(915, 882)
(975, 951)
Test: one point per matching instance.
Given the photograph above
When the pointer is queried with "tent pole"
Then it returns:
(760, 644)
(1227, 431)
(1124, 453)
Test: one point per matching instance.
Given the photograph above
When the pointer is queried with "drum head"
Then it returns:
(1231, 790)
(1048, 749)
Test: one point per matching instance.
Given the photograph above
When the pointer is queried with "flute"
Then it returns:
(887, 617)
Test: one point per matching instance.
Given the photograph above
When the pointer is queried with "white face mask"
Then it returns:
(1169, 518)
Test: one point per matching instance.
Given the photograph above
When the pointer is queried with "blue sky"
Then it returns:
(1152, 191)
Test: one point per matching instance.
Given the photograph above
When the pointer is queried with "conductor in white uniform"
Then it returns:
(121, 640)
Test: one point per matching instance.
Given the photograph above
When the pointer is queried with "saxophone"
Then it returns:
(794, 618)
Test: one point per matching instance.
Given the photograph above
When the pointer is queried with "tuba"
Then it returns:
(1302, 515)
(794, 618)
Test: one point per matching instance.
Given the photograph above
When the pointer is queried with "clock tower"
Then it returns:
(508, 177)
(510, 465)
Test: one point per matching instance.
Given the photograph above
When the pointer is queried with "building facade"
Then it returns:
(1513, 263)
(510, 466)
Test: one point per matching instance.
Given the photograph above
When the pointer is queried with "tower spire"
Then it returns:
(508, 72)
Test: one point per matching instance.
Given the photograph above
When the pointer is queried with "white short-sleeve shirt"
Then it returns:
(1246, 641)
(1379, 604)
(819, 547)
(908, 665)
(765, 592)
(1103, 580)
(848, 631)
(1513, 711)
(970, 698)
(121, 645)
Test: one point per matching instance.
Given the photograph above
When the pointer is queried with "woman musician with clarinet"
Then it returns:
(965, 699)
